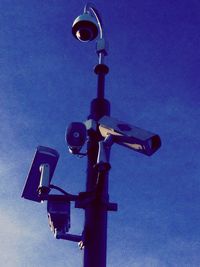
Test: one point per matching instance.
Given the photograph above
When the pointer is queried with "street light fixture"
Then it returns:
(99, 132)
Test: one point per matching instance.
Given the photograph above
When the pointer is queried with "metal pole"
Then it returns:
(95, 229)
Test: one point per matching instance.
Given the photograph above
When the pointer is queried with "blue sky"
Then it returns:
(47, 81)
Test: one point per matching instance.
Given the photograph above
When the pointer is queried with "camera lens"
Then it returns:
(84, 35)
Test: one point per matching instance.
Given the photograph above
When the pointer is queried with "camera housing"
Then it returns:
(76, 136)
(43, 156)
(129, 136)
(58, 216)
(85, 28)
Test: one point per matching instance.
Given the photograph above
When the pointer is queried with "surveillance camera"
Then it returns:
(58, 216)
(130, 136)
(76, 136)
(41, 172)
(85, 28)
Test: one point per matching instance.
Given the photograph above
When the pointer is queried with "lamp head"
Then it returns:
(85, 28)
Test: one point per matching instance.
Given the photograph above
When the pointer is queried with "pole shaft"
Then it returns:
(95, 220)
(95, 230)
(101, 81)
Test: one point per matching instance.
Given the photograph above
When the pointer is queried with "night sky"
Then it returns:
(47, 81)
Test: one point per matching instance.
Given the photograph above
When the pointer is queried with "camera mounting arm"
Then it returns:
(104, 154)
(90, 7)
(101, 45)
